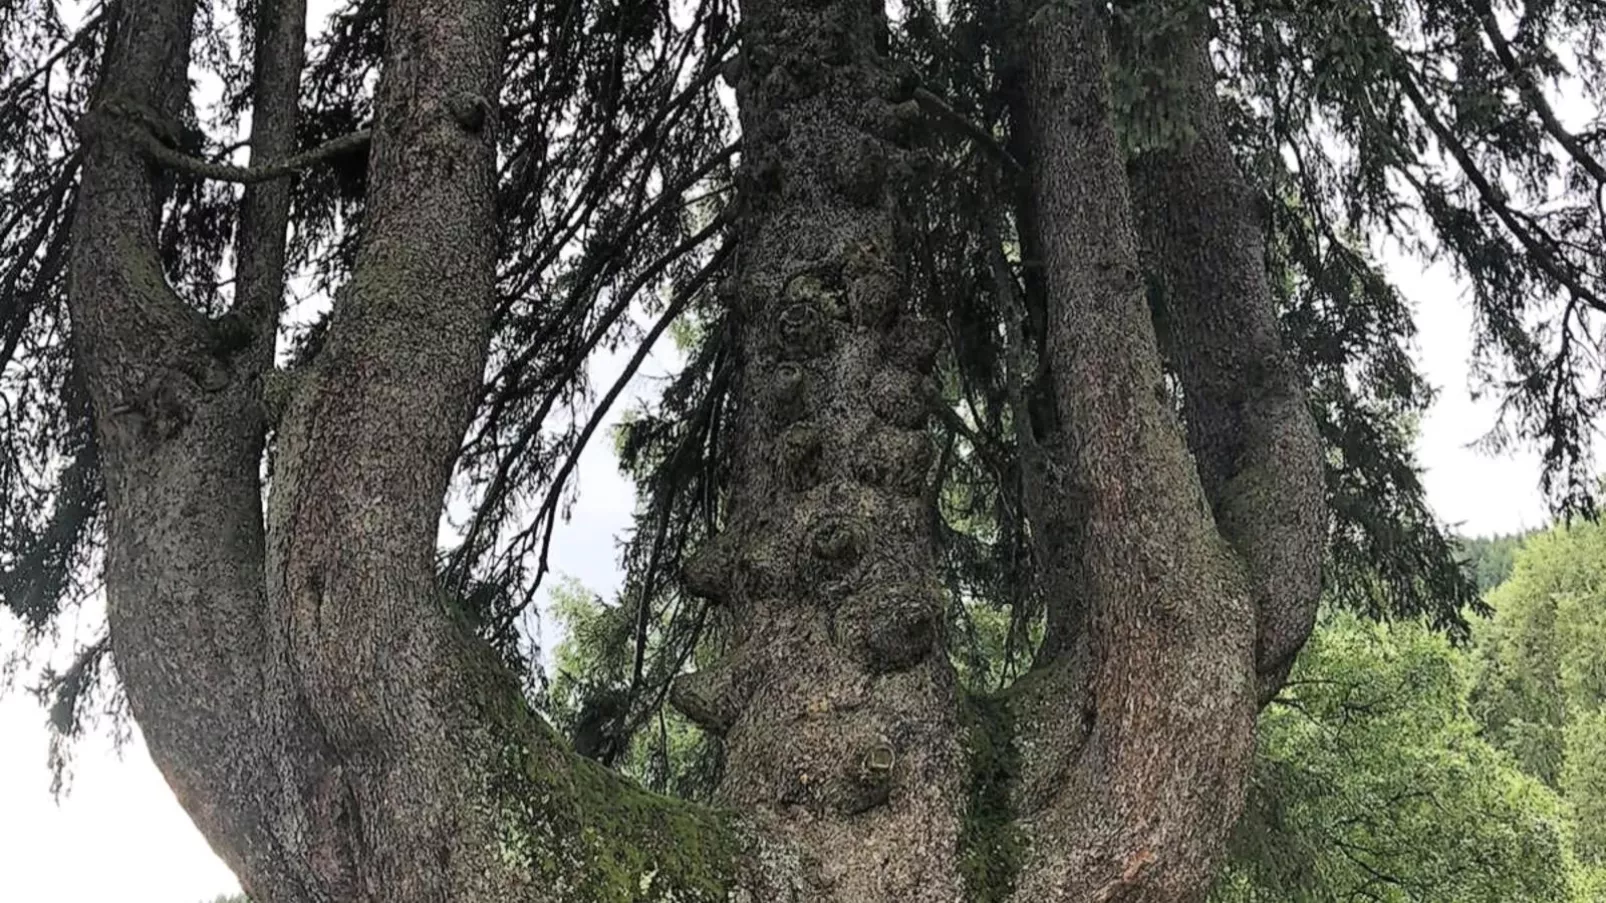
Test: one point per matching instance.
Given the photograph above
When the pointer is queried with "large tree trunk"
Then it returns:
(1249, 425)
(338, 733)
(838, 703)
(1153, 613)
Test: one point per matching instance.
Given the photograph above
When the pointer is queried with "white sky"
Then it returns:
(120, 835)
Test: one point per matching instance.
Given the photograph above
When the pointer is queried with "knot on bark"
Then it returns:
(874, 297)
(801, 331)
(840, 538)
(471, 111)
(805, 76)
(899, 397)
(787, 398)
(710, 572)
(813, 288)
(861, 171)
(893, 459)
(166, 403)
(871, 783)
(874, 284)
(707, 698)
(836, 543)
(913, 343)
(892, 627)
(801, 454)
(897, 123)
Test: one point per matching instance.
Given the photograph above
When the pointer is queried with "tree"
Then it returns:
(1131, 351)
(1540, 692)
(1492, 558)
(1373, 782)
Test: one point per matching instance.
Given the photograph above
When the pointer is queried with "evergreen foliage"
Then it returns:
(1434, 123)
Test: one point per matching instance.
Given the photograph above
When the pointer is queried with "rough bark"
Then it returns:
(837, 702)
(1144, 718)
(1249, 425)
(280, 34)
(332, 728)
(179, 439)
(339, 734)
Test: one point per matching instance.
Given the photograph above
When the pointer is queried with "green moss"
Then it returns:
(991, 843)
(591, 835)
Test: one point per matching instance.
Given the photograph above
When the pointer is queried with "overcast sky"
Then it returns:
(120, 836)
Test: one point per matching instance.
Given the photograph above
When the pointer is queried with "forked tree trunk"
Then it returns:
(337, 733)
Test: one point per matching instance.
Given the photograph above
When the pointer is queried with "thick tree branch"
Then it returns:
(441, 758)
(179, 445)
(281, 37)
(1249, 426)
(839, 703)
(1156, 708)
(142, 129)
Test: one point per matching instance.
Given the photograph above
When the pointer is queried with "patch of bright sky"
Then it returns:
(120, 835)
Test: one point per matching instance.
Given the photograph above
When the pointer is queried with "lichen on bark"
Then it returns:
(340, 734)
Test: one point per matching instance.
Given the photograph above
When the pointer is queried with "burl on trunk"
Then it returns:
(338, 734)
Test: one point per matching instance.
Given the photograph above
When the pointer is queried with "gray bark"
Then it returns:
(1249, 425)
(839, 706)
(339, 735)
(335, 733)
(1143, 720)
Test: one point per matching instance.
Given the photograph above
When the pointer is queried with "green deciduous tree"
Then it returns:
(1541, 687)
(1374, 782)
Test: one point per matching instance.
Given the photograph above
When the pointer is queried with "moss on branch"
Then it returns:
(589, 835)
(991, 842)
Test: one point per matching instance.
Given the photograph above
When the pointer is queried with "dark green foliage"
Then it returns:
(1492, 557)
(50, 492)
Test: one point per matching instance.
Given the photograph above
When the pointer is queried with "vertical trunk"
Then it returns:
(179, 431)
(336, 734)
(1249, 425)
(363, 456)
(280, 34)
(839, 705)
(1158, 657)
